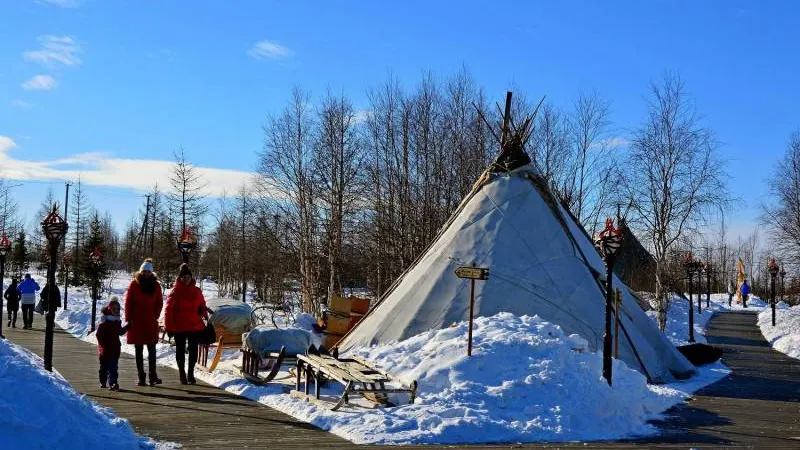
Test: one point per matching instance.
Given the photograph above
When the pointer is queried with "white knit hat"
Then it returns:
(146, 266)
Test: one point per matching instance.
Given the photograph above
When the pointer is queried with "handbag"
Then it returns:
(207, 335)
(39, 308)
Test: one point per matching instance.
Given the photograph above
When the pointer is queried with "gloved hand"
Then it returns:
(170, 334)
(201, 310)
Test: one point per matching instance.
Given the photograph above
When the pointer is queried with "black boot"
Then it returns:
(191, 379)
(142, 381)
(182, 376)
(154, 380)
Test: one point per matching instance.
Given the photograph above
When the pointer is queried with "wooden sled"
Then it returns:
(355, 374)
(252, 362)
(224, 340)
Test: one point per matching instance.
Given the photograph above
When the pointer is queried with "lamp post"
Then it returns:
(691, 265)
(783, 286)
(773, 269)
(67, 263)
(5, 247)
(54, 228)
(96, 258)
(608, 242)
(186, 243)
(707, 269)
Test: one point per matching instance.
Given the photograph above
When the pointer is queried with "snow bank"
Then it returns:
(785, 335)
(39, 409)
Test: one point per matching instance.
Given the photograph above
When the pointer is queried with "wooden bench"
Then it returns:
(224, 340)
(355, 374)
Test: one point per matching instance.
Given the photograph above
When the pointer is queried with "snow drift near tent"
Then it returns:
(540, 264)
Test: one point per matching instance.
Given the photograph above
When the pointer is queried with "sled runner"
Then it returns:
(252, 364)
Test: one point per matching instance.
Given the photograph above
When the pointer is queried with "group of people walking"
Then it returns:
(184, 316)
(24, 294)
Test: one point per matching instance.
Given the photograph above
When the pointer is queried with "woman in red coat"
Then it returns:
(183, 318)
(143, 303)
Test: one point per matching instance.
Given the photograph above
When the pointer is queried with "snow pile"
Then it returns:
(785, 335)
(39, 409)
(526, 381)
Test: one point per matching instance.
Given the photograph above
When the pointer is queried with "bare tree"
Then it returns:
(338, 156)
(673, 179)
(782, 216)
(285, 172)
(187, 197)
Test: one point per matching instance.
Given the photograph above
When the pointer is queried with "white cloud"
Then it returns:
(21, 104)
(615, 142)
(102, 169)
(40, 83)
(60, 3)
(269, 49)
(6, 144)
(55, 50)
(362, 115)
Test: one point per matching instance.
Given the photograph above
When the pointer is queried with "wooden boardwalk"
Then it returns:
(757, 406)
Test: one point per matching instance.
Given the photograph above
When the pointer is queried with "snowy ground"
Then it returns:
(785, 335)
(527, 381)
(39, 409)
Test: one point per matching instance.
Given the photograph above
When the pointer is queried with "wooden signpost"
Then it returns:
(472, 273)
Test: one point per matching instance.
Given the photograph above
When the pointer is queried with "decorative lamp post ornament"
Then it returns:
(54, 228)
(96, 258)
(186, 243)
(608, 243)
(5, 248)
(773, 269)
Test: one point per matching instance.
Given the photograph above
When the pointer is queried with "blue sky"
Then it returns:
(89, 86)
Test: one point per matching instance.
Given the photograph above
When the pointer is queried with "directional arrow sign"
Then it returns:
(474, 273)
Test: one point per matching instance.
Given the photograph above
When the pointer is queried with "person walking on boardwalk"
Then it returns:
(143, 303)
(731, 292)
(27, 291)
(108, 344)
(12, 297)
(50, 296)
(183, 319)
(745, 290)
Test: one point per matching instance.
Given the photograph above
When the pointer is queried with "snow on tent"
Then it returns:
(540, 261)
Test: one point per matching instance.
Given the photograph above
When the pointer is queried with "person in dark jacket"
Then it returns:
(27, 290)
(108, 344)
(51, 297)
(12, 297)
(143, 303)
(183, 319)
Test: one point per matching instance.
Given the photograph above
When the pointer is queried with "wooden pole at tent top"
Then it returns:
(506, 120)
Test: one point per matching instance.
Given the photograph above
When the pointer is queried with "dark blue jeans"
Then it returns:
(109, 370)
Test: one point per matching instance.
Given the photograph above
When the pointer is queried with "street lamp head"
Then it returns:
(772, 267)
(609, 240)
(5, 246)
(54, 226)
(187, 241)
(96, 257)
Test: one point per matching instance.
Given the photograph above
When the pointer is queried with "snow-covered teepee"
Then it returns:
(540, 263)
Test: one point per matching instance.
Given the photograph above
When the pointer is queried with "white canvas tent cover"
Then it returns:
(540, 261)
